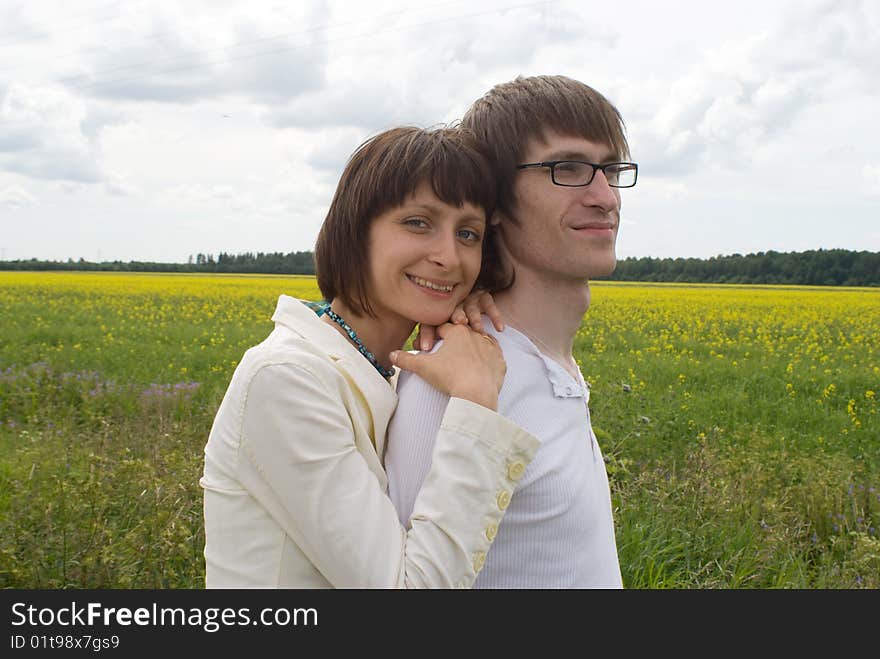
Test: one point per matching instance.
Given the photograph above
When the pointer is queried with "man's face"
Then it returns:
(564, 233)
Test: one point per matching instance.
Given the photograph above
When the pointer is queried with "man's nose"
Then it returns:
(599, 193)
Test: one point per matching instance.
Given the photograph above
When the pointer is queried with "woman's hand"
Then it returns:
(469, 365)
(470, 312)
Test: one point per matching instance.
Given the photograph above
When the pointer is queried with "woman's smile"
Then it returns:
(441, 289)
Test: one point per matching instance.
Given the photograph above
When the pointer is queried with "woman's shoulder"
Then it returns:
(286, 348)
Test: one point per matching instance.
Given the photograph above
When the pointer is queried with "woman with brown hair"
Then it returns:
(295, 490)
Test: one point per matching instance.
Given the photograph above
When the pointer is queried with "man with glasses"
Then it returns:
(560, 155)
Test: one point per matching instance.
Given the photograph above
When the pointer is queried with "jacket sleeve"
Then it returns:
(298, 439)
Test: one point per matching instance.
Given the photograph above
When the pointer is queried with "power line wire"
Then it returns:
(150, 37)
(249, 42)
(364, 35)
(103, 83)
(54, 28)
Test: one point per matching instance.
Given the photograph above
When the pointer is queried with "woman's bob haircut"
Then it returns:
(381, 174)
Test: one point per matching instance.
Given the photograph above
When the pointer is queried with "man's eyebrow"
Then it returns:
(570, 154)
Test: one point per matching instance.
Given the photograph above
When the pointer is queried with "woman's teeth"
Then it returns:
(427, 284)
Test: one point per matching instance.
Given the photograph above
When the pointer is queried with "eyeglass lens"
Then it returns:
(577, 173)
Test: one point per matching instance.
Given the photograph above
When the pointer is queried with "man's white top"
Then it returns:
(558, 531)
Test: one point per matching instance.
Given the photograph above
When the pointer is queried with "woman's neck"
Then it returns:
(379, 335)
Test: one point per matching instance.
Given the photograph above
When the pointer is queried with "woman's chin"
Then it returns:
(431, 312)
(435, 316)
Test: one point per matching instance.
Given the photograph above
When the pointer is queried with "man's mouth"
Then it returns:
(600, 226)
(434, 286)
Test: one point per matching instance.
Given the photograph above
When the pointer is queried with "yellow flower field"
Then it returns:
(739, 425)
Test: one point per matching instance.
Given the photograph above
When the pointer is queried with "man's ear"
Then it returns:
(499, 217)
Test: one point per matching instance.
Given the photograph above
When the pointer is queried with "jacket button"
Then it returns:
(479, 560)
(491, 532)
(515, 470)
(503, 499)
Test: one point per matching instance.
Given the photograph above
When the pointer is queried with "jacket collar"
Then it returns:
(381, 398)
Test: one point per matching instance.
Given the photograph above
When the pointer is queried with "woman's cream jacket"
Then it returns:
(295, 491)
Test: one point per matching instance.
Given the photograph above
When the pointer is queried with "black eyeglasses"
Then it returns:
(577, 173)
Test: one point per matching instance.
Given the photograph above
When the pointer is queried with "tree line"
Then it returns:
(292, 263)
(823, 267)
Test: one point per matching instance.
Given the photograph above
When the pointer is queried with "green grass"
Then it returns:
(739, 425)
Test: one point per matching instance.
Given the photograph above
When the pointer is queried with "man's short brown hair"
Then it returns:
(381, 174)
(512, 113)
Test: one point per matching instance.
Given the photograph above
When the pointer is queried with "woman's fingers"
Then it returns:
(468, 365)
(425, 339)
(492, 310)
(478, 303)
(471, 310)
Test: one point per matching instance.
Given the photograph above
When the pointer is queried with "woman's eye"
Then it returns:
(469, 235)
(418, 222)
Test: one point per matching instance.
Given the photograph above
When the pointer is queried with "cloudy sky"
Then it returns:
(156, 129)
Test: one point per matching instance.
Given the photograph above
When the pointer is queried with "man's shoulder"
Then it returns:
(519, 352)
(524, 365)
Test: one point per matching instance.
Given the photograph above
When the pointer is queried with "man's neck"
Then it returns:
(549, 313)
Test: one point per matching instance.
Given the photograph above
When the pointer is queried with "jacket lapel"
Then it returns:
(381, 399)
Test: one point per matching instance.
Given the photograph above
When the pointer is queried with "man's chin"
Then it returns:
(602, 267)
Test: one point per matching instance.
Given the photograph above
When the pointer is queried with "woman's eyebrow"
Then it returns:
(431, 208)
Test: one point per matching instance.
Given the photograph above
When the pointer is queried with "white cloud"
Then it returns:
(174, 52)
(120, 186)
(426, 69)
(332, 150)
(229, 121)
(15, 197)
(17, 27)
(747, 92)
(871, 176)
(199, 196)
(48, 133)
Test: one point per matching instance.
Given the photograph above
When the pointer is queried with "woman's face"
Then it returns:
(424, 257)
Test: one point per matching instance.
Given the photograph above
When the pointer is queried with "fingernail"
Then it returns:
(393, 356)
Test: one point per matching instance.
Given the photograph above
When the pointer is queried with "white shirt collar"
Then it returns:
(564, 385)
